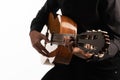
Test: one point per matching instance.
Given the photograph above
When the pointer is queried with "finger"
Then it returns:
(41, 49)
(88, 55)
(45, 38)
(80, 53)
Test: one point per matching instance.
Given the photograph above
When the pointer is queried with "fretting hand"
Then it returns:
(81, 53)
(69, 43)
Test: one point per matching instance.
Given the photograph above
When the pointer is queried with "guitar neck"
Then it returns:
(59, 39)
(81, 40)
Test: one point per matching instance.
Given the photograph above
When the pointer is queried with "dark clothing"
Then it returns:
(88, 14)
(80, 70)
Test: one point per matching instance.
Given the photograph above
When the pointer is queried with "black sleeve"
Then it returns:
(109, 11)
(42, 16)
(113, 49)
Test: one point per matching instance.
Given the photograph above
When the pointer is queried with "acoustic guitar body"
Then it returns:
(61, 25)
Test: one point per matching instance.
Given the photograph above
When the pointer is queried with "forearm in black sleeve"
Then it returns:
(113, 48)
(42, 17)
(110, 15)
(113, 11)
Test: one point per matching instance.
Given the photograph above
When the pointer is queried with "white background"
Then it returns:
(18, 60)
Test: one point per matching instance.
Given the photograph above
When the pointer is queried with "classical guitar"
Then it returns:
(62, 26)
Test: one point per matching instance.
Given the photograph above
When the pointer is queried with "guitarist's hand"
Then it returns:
(80, 53)
(69, 43)
(36, 38)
